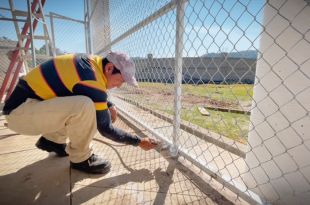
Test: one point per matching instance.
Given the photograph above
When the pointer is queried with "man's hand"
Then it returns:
(148, 143)
(113, 112)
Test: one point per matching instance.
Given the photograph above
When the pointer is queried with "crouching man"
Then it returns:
(66, 97)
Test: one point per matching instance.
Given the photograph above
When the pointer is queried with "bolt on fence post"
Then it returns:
(178, 75)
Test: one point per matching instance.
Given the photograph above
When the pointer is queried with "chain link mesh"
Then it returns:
(245, 83)
(62, 30)
(231, 48)
(69, 35)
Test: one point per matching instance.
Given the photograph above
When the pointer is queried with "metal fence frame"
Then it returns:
(179, 5)
(29, 59)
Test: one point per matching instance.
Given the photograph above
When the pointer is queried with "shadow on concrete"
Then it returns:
(7, 135)
(203, 186)
(84, 194)
(48, 181)
(164, 179)
(44, 181)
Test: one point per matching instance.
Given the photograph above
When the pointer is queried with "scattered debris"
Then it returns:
(203, 111)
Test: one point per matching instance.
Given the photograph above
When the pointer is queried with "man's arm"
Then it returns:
(98, 95)
(113, 111)
(105, 127)
(104, 124)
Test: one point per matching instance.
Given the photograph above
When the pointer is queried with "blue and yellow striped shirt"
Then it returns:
(68, 75)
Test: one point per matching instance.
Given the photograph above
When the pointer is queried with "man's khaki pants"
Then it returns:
(56, 119)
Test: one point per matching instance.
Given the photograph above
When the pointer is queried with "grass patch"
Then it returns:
(241, 92)
(232, 125)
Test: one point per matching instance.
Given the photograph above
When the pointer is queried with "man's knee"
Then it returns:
(84, 103)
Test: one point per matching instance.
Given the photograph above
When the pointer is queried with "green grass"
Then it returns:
(242, 92)
(234, 92)
(232, 125)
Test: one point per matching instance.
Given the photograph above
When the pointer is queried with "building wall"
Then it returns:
(198, 70)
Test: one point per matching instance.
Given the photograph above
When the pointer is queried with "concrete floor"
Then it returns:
(31, 176)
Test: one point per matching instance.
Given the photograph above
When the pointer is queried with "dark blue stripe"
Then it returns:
(83, 68)
(93, 93)
(49, 72)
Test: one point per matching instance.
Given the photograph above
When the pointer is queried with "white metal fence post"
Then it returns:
(89, 36)
(178, 75)
(106, 23)
(85, 26)
(33, 53)
(53, 34)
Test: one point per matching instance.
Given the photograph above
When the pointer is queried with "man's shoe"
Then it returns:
(50, 146)
(94, 165)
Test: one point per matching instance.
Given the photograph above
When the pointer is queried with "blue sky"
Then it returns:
(211, 26)
(64, 38)
(71, 8)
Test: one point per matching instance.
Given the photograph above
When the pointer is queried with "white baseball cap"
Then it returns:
(126, 66)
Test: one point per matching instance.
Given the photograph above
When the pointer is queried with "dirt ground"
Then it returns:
(188, 100)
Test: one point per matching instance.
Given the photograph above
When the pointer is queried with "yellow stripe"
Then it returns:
(94, 66)
(98, 61)
(101, 106)
(38, 84)
(66, 69)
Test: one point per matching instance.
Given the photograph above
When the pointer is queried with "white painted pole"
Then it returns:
(89, 34)
(178, 75)
(53, 34)
(33, 53)
(106, 24)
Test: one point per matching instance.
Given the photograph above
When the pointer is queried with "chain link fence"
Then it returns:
(8, 41)
(67, 34)
(226, 82)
